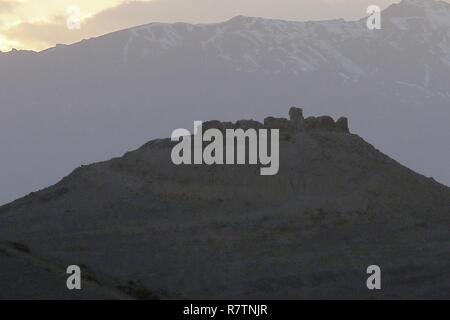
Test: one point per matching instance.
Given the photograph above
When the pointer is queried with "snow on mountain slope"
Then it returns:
(93, 100)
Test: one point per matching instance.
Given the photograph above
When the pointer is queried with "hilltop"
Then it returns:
(151, 229)
(93, 100)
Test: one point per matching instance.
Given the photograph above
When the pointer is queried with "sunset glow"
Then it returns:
(37, 25)
(18, 16)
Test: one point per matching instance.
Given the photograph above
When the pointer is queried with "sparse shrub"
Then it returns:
(53, 195)
(137, 291)
(20, 247)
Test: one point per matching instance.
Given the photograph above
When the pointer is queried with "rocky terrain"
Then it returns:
(141, 227)
(93, 100)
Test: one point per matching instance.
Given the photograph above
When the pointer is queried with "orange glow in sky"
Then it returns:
(40, 24)
(18, 16)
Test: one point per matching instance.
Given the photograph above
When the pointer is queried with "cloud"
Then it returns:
(8, 5)
(47, 33)
(41, 34)
(141, 12)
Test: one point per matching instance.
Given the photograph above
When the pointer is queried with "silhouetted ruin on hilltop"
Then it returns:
(296, 122)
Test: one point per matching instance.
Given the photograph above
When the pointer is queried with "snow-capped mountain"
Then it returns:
(92, 100)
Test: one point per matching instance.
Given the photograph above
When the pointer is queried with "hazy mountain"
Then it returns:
(145, 227)
(98, 98)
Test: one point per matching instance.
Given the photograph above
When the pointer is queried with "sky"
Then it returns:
(40, 24)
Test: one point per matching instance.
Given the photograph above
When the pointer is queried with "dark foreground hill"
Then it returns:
(143, 227)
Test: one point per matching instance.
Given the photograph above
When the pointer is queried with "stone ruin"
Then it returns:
(295, 123)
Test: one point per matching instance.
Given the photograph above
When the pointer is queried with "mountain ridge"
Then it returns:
(96, 99)
(434, 5)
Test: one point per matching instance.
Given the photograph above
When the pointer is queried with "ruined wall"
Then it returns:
(295, 123)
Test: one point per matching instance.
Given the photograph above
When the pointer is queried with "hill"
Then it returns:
(93, 100)
(337, 205)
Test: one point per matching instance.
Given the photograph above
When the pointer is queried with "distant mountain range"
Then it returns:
(141, 227)
(95, 99)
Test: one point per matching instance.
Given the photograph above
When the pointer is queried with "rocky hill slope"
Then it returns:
(93, 100)
(148, 228)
